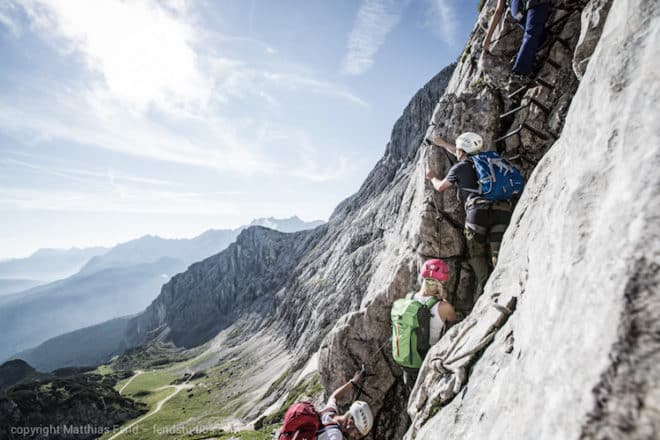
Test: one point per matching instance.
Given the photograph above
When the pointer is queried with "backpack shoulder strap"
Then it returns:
(433, 301)
(325, 426)
(474, 168)
(428, 304)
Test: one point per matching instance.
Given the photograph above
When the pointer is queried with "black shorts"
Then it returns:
(489, 220)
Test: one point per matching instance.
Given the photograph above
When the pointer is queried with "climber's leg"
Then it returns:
(409, 378)
(476, 230)
(532, 38)
(500, 216)
(494, 247)
(478, 250)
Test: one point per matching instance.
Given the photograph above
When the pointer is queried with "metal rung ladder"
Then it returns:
(539, 81)
(543, 135)
(530, 101)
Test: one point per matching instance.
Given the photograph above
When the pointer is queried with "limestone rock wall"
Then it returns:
(576, 289)
(196, 305)
(475, 100)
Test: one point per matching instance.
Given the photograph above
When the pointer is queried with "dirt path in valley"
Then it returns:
(159, 405)
(137, 373)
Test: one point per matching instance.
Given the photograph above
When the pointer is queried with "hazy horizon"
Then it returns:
(111, 245)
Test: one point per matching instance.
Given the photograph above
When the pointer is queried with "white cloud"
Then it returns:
(444, 21)
(124, 199)
(154, 88)
(85, 176)
(6, 12)
(375, 19)
(321, 87)
(111, 191)
(143, 52)
(311, 170)
(218, 147)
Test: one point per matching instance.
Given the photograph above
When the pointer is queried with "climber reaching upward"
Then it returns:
(354, 424)
(303, 422)
(532, 15)
(487, 210)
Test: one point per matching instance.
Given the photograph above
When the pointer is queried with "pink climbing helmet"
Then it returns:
(435, 269)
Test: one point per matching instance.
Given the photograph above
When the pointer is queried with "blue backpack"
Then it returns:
(498, 179)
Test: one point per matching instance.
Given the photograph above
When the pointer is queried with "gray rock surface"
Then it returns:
(578, 357)
(474, 101)
(196, 305)
(593, 20)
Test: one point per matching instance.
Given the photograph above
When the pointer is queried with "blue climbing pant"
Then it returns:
(534, 25)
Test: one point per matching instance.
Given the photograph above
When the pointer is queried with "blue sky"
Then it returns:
(125, 118)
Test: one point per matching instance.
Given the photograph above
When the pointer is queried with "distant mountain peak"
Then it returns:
(291, 224)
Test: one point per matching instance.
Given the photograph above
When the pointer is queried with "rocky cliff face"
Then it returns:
(578, 357)
(211, 295)
(566, 327)
(565, 222)
(522, 124)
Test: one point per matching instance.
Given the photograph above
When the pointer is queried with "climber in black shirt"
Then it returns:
(485, 220)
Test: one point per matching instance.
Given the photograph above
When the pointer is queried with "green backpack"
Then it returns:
(411, 320)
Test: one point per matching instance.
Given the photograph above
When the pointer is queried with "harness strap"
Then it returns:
(474, 191)
(333, 425)
(502, 205)
(476, 228)
(477, 202)
(498, 228)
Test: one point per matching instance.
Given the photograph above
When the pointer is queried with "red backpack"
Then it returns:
(301, 422)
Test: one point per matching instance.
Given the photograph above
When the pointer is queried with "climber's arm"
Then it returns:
(497, 16)
(344, 389)
(440, 185)
(446, 311)
(437, 140)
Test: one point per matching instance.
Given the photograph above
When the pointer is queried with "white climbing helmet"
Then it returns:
(362, 416)
(469, 142)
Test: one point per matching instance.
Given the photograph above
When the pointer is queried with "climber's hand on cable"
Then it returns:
(430, 174)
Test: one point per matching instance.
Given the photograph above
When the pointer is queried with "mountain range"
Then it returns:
(122, 281)
(42, 267)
